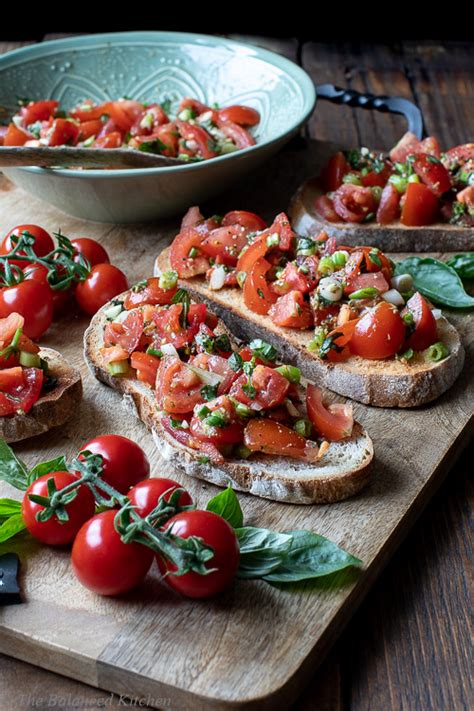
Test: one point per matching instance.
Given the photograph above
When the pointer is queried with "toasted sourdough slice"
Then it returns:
(384, 383)
(341, 472)
(53, 408)
(394, 237)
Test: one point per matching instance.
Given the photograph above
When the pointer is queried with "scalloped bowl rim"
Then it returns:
(283, 63)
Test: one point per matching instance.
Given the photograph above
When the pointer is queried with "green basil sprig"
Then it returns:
(463, 264)
(275, 557)
(436, 280)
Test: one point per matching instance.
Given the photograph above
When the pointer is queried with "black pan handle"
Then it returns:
(385, 104)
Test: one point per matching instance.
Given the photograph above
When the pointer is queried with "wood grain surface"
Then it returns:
(375, 665)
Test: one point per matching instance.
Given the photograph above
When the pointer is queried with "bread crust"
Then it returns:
(381, 383)
(277, 478)
(52, 409)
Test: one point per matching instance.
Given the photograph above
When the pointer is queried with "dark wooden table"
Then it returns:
(409, 645)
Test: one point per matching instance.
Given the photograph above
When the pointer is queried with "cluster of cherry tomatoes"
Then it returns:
(29, 290)
(101, 561)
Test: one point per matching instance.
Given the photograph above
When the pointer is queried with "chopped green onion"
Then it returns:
(326, 265)
(209, 392)
(168, 280)
(340, 258)
(118, 368)
(204, 412)
(408, 319)
(303, 427)
(368, 293)
(376, 192)
(30, 360)
(216, 419)
(414, 178)
(438, 351)
(352, 179)
(290, 372)
(186, 114)
(154, 352)
(241, 277)
(193, 252)
(242, 410)
(113, 311)
(399, 182)
(273, 240)
(408, 355)
(235, 361)
(242, 451)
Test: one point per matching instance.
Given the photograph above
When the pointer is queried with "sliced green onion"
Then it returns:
(368, 293)
(30, 360)
(290, 372)
(186, 114)
(263, 350)
(216, 419)
(438, 351)
(303, 427)
(154, 352)
(399, 182)
(193, 252)
(408, 355)
(242, 410)
(113, 311)
(242, 451)
(273, 240)
(209, 392)
(414, 178)
(326, 265)
(168, 280)
(235, 361)
(118, 368)
(340, 258)
(352, 179)
(241, 277)
(204, 412)
(408, 319)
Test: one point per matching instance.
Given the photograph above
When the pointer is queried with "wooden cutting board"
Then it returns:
(256, 645)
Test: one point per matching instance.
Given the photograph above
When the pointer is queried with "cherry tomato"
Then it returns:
(426, 332)
(15, 136)
(269, 388)
(199, 136)
(270, 437)
(169, 324)
(243, 115)
(55, 532)
(20, 389)
(230, 432)
(379, 333)
(334, 422)
(324, 206)
(124, 113)
(341, 337)
(225, 243)
(180, 260)
(432, 173)
(126, 334)
(124, 462)
(63, 132)
(250, 220)
(31, 299)
(146, 495)
(42, 246)
(110, 140)
(89, 128)
(374, 178)
(103, 563)
(220, 536)
(354, 203)
(334, 171)
(254, 251)
(146, 366)
(292, 279)
(374, 280)
(38, 111)
(407, 145)
(421, 206)
(257, 295)
(151, 294)
(291, 311)
(88, 112)
(389, 206)
(237, 134)
(104, 282)
(91, 250)
(178, 389)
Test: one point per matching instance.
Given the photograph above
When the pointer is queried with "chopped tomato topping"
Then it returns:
(334, 422)
(291, 311)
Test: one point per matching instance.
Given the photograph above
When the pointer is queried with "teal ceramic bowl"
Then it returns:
(153, 66)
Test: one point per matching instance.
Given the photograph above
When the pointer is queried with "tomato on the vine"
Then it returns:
(104, 282)
(124, 462)
(54, 532)
(42, 246)
(33, 300)
(91, 250)
(103, 563)
(146, 494)
(220, 536)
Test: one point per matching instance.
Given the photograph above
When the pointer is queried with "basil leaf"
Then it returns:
(261, 551)
(11, 527)
(226, 504)
(436, 280)
(9, 507)
(12, 470)
(463, 265)
(54, 465)
(310, 556)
